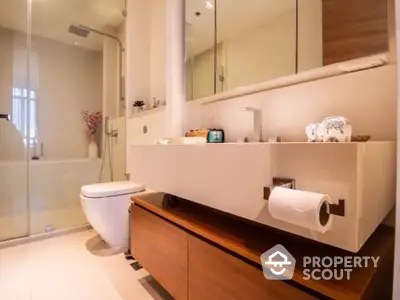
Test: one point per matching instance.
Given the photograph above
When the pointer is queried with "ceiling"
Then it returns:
(234, 18)
(52, 18)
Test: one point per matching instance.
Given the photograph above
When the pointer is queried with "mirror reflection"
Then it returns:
(200, 50)
(232, 44)
(256, 41)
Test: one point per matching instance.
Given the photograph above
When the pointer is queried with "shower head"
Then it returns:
(79, 31)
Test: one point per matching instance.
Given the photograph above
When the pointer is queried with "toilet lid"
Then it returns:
(108, 189)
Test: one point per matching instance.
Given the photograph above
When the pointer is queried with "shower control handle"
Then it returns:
(5, 116)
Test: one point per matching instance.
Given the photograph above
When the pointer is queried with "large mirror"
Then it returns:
(200, 54)
(231, 44)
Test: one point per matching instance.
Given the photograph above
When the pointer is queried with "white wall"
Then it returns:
(111, 73)
(138, 52)
(145, 65)
(118, 148)
(121, 34)
(67, 80)
(157, 50)
(367, 98)
(155, 123)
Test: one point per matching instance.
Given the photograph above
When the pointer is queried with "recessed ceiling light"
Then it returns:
(209, 5)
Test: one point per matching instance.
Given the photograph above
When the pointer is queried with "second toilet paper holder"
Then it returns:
(334, 209)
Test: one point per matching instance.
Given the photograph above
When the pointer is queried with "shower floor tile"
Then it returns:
(77, 266)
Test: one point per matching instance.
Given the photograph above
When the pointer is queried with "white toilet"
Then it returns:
(106, 208)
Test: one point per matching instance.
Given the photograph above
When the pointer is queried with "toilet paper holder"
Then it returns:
(290, 183)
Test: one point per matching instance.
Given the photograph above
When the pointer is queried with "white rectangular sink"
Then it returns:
(223, 176)
(231, 177)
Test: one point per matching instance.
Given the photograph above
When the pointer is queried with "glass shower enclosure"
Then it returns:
(49, 76)
(15, 99)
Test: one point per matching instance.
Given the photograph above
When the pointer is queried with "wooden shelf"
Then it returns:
(249, 240)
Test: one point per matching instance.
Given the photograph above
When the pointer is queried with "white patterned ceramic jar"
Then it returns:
(311, 132)
(335, 129)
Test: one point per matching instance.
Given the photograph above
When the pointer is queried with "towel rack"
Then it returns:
(290, 183)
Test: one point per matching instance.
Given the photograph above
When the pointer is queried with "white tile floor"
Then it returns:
(76, 266)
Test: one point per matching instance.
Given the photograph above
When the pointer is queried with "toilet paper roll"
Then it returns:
(301, 208)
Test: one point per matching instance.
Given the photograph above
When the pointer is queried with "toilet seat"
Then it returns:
(106, 208)
(110, 189)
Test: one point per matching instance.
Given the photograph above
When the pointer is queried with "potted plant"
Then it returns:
(138, 105)
(92, 122)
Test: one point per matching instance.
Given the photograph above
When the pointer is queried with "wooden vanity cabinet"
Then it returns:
(216, 274)
(190, 268)
(198, 253)
(162, 249)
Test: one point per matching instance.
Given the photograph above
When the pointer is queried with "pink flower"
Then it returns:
(92, 121)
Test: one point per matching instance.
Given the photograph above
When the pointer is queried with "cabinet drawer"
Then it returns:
(162, 250)
(215, 274)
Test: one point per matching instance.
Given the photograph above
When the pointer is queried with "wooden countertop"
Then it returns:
(249, 240)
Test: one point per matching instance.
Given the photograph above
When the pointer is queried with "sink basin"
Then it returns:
(182, 141)
(231, 177)
(223, 176)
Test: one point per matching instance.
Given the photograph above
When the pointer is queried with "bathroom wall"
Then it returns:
(138, 52)
(156, 129)
(121, 34)
(367, 98)
(111, 95)
(118, 148)
(147, 77)
(67, 80)
(157, 50)
(112, 106)
(145, 70)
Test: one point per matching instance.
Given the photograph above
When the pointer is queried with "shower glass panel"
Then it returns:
(75, 69)
(16, 103)
(49, 77)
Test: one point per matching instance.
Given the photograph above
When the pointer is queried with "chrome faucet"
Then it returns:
(257, 127)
